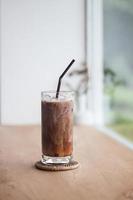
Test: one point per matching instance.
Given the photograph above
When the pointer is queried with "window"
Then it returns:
(118, 66)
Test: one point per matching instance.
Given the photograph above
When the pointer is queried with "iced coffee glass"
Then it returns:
(57, 127)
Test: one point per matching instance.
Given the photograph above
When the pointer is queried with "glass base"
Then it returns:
(55, 160)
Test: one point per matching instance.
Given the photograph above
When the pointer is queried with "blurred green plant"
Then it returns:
(120, 98)
(111, 82)
(122, 119)
(124, 128)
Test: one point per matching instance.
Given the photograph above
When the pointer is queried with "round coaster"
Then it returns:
(57, 167)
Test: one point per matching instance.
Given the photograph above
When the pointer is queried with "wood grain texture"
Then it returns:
(105, 172)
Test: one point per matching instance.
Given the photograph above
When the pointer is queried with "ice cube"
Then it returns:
(47, 98)
(61, 97)
(53, 99)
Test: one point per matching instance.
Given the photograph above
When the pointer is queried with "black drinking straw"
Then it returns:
(61, 76)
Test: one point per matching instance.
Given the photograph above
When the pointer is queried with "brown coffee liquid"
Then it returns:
(57, 128)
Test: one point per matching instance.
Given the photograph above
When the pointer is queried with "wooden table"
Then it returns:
(105, 172)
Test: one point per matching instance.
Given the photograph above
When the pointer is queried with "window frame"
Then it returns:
(94, 60)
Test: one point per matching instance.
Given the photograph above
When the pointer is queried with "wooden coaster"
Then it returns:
(57, 167)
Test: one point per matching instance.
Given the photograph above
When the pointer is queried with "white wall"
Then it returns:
(38, 39)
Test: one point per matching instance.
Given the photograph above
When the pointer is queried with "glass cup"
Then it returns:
(57, 127)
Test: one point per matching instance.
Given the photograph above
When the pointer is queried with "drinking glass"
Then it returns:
(57, 126)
